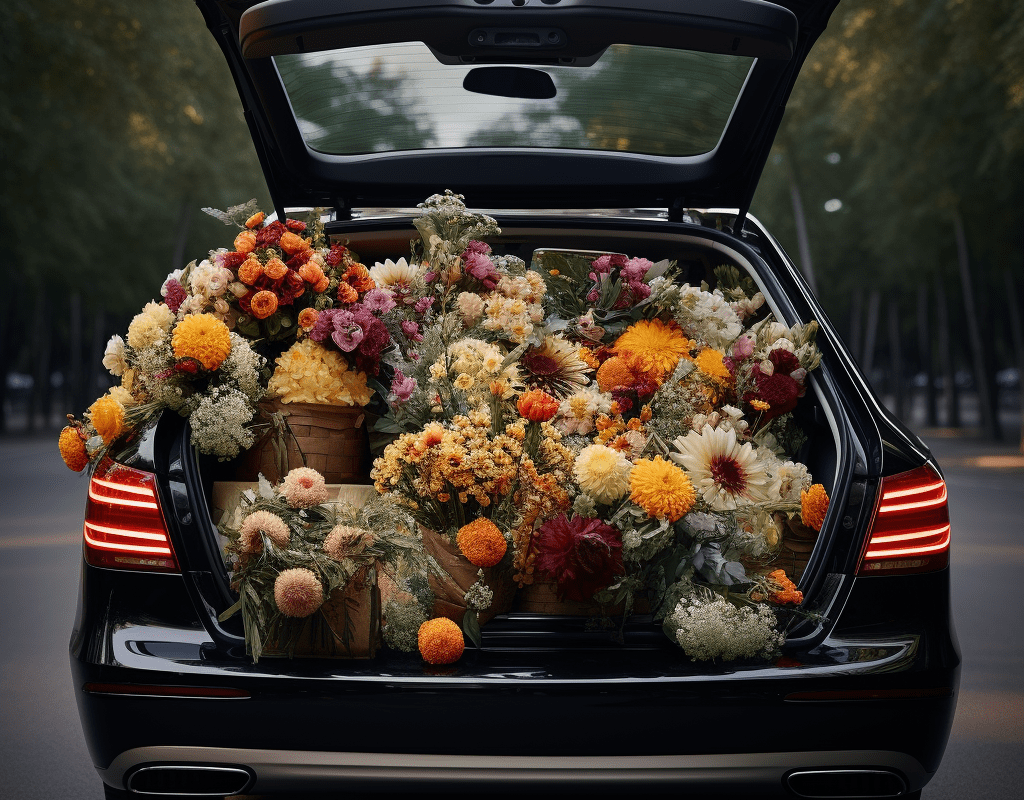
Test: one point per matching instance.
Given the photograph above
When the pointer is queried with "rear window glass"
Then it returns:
(399, 97)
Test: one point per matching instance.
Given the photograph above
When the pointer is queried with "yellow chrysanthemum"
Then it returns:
(72, 449)
(813, 505)
(107, 417)
(711, 362)
(204, 338)
(653, 346)
(440, 641)
(150, 326)
(661, 489)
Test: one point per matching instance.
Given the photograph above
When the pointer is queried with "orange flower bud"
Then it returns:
(275, 269)
(245, 242)
(292, 243)
(537, 405)
(250, 270)
(311, 273)
(481, 542)
(263, 304)
(322, 284)
(308, 317)
(347, 294)
(72, 449)
(255, 219)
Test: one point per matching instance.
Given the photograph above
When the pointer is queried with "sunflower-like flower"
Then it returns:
(653, 346)
(440, 641)
(107, 417)
(304, 488)
(481, 542)
(726, 473)
(602, 472)
(661, 489)
(72, 449)
(813, 506)
(298, 592)
(204, 338)
(259, 524)
(555, 366)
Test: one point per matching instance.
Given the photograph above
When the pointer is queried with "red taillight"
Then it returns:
(910, 532)
(124, 527)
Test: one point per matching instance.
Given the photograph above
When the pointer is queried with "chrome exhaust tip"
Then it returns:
(188, 780)
(845, 784)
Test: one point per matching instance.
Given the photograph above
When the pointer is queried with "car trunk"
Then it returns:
(822, 568)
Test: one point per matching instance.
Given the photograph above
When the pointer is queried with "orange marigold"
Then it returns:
(72, 449)
(107, 417)
(263, 304)
(275, 269)
(587, 356)
(653, 346)
(813, 505)
(245, 242)
(537, 405)
(307, 317)
(712, 363)
(615, 374)
(481, 542)
(661, 488)
(440, 641)
(202, 337)
(255, 219)
(784, 591)
(292, 243)
(250, 270)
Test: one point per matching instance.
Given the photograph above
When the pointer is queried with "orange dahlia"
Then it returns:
(813, 505)
(481, 542)
(661, 489)
(263, 304)
(202, 337)
(440, 641)
(245, 242)
(107, 417)
(72, 449)
(537, 405)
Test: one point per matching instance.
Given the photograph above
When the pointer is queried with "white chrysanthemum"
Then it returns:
(709, 629)
(393, 274)
(471, 307)
(793, 479)
(707, 317)
(150, 326)
(113, 356)
(577, 412)
(724, 472)
(603, 473)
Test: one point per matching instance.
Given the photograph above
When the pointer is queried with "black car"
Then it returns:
(862, 701)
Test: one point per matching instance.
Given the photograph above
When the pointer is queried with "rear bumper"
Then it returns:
(280, 771)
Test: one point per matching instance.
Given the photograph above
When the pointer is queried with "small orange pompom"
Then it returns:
(263, 304)
(440, 641)
(245, 242)
(537, 405)
(275, 269)
(615, 374)
(813, 506)
(72, 449)
(250, 270)
(481, 542)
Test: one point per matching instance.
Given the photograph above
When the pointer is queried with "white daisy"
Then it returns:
(724, 472)
(394, 274)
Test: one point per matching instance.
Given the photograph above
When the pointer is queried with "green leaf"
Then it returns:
(228, 613)
(471, 627)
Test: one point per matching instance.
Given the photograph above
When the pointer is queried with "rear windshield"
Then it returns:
(400, 97)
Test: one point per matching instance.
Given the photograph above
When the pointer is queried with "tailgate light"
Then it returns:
(124, 527)
(147, 690)
(910, 531)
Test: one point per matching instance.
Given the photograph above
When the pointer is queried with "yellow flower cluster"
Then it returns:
(307, 372)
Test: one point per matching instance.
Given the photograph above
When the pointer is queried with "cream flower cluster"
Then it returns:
(150, 326)
(307, 372)
(577, 412)
(515, 306)
(473, 365)
(710, 629)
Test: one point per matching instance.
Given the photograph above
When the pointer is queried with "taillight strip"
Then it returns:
(119, 501)
(131, 548)
(917, 490)
(917, 504)
(909, 535)
(156, 537)
(916, 550)
(123, 487)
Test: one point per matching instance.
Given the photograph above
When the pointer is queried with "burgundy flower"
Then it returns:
(336, 255)
(295, 226)
(412, 331)
(176, 295)
(270, 235)
(231, 260)
(582, 554)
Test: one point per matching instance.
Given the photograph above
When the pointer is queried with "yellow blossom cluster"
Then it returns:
(307, 372)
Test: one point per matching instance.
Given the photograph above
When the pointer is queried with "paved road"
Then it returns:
(41, 504)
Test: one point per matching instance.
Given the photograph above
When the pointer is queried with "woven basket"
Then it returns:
(333, 440)
(541, 597)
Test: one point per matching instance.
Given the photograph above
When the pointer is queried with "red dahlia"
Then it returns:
(582, 554)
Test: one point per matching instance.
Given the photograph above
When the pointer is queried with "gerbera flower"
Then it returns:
(394, 274)
(555, 367)
(582, 554)
(725, 473)
(653, 346)
(661, 489)
(603, 473)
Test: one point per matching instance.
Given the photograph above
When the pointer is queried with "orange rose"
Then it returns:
(311, 273)
(346, 294)
(250, 270)
(275, 269)
(255, 219)
(292, 243)
(307, 317)
(322, 284)
(359, 277)
(245, 242)
(537, 405)
(263, 304)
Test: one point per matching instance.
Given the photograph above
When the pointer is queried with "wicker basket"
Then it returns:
(333, 440)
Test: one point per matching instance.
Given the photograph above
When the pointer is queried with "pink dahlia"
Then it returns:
(582, 554)
(298, 592)
(304, 488)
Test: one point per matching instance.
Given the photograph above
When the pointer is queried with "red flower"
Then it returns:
(270, 235)
(337, 255)
(295, 226)
(582, 554)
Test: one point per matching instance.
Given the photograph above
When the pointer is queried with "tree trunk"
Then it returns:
(76, 379)
(950, 395)
(986, 409)
(924, 349)
(42, 347)
(871, 334)
(896, 358)
(803, 241)
(1017, 332)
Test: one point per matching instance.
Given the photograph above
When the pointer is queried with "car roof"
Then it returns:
(269, 44)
